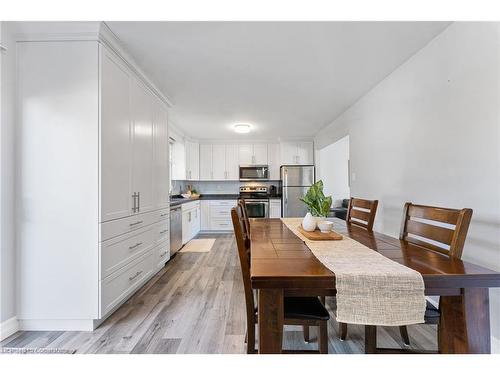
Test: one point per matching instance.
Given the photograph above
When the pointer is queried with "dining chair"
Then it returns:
(360, 212)
(297, 310)
(241, 202)
(437, 229)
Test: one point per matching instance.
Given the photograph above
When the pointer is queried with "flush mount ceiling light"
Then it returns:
(242, 128)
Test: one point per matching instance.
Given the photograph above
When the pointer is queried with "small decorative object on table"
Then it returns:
(318, 205)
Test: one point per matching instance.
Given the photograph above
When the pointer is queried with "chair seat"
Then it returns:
(432, 314)
(305, 308)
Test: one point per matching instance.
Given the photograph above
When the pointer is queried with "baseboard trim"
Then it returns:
(56, 324)
(8, 327)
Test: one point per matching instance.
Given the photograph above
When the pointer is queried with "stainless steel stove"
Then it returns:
(256, 200)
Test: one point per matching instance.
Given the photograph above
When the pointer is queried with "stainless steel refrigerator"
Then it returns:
(295, 181)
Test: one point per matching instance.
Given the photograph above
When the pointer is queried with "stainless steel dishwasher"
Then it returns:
(175, 229)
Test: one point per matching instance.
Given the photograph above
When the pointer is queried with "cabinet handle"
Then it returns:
(135, 246)
(134, 200)
(189, 219)
(138, 201)
(163, 231)
(163, 254)
(136, 223)
(163, 214)
(135, 276)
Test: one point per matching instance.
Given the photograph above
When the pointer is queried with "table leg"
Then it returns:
(270, 320)
(465, 322)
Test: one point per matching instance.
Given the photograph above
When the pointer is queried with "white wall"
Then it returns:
(430, 133)
(332, 166)
(7, 253)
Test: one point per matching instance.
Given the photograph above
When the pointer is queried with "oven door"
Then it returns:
(257, 208)
(254, 173)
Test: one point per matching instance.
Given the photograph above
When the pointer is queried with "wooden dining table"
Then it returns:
(283, 265)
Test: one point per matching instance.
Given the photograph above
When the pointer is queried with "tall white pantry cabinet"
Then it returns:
(93, 208)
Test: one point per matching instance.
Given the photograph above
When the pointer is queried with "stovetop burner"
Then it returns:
(253, 192)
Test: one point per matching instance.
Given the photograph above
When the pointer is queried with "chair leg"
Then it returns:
(323, 337)
(250, 339)
(343, 331)
(323, 300)
(370, 339)
(403, 330)
(306, 333)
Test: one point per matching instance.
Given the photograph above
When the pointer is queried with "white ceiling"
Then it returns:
(289, 79)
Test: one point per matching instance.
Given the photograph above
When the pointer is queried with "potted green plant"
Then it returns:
(318, 205)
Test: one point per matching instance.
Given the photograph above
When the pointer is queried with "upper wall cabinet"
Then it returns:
(253, 154)
(192, 161)
(300, 153)
(116, 139)
(219, 162)
(134, 143)
(273, 153)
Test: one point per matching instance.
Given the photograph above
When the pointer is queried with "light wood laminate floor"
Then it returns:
(196, 305)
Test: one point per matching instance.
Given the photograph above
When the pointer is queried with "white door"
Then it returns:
(288, 151)
(219, 166)
(245, 154)
(142, 164)
(232, 166)
(196, 221)
(116, 144)
(205, 162)
(305, 153)
(260, 156)
(161, 156)
(273, 153)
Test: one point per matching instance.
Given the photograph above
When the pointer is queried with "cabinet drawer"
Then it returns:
(160, 215)
(163, 252)
(119, 285)
(220, 212)
(223, 203)
(115, 228)
(118, 251)
(161, 231)
(190, 205)
(221, 224)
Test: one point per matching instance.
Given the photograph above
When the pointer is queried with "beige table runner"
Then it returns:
(371, 289)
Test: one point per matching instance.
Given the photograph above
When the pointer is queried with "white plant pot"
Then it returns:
(309, 223)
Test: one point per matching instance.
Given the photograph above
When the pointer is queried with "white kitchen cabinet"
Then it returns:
(205, 215)
(191, 220)
(205, 162)
(273, 153)
(260, 155)
(161, 156)
(252, 154)
(224, 162)
(305, 153)
(107, 139)
(299, 153)
(116, 140)
(232, 166)
(178, 160)
(245, 154)
(192, 161)
(274, 208)
(142, 141)
(219, 167)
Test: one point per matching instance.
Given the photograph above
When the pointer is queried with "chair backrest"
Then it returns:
(241, 202)
(440, 229)
(362, 212)
(244, 255)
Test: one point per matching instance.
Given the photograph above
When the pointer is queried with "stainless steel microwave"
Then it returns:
(254, 172)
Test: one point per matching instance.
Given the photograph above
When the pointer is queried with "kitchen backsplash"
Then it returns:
(215, 187)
